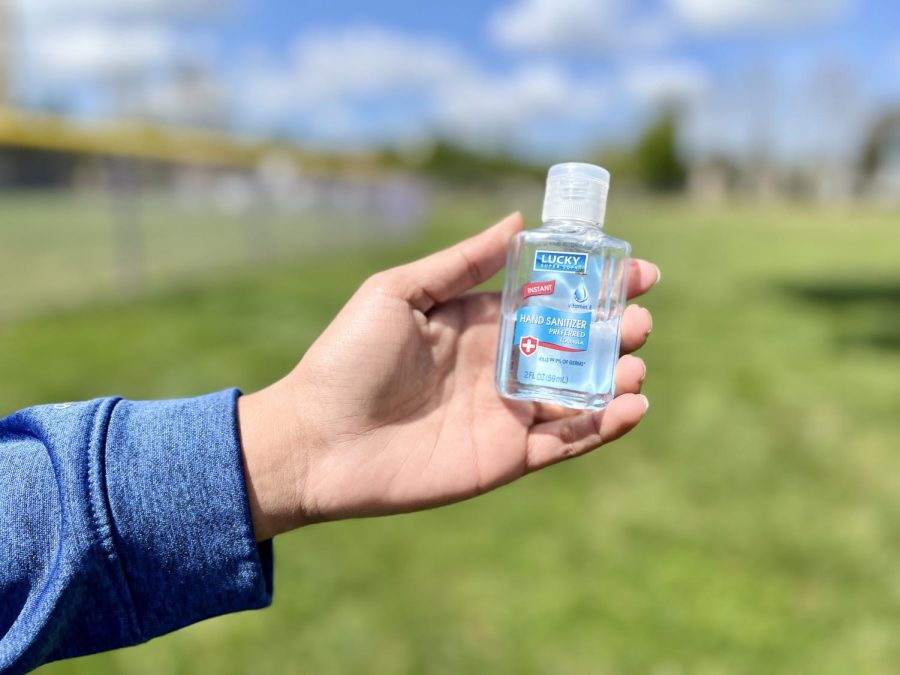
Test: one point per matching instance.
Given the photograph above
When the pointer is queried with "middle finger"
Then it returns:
(636, 326)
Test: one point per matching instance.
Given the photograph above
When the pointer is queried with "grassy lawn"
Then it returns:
(750, 525)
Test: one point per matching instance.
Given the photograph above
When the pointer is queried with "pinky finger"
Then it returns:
(553, 441)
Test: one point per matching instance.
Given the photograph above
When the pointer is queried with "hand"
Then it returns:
(394, 409)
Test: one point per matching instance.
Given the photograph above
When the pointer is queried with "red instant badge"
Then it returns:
(539, 288)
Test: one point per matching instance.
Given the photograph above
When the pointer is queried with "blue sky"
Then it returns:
(802, 79)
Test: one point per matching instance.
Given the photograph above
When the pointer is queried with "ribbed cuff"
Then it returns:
(180, 515)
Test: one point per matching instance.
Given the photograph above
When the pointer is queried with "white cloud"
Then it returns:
(488, 110)
(88, 51)
(363, 61)
(57, 11)
(551, 23)
(572, 26)
(418, 86)
(123, 57)
(667, 82)
(725, 15)
(579, 25)
(350, 64)
(95, 39)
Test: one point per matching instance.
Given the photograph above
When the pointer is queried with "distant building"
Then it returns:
(833, 183)
(6, 51)
(711, 180)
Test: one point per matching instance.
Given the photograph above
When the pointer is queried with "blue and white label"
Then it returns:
(553, 333)
(553, 329)
(560, 261)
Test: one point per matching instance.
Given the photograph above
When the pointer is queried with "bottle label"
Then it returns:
(553, 326)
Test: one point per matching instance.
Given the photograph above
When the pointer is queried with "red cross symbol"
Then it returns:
(528, 345)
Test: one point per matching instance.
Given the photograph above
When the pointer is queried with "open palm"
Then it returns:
(395, 404)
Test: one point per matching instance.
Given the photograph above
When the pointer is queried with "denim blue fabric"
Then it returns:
(121, 521)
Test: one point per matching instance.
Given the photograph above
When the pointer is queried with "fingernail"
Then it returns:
(646, 402)
(649, 318)
(644, 374)
(658, 273)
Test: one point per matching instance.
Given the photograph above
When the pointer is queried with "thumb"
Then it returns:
(443, 275)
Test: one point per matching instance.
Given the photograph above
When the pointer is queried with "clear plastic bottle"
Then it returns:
(563, 298)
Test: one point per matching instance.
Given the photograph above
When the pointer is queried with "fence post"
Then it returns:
(126, 221)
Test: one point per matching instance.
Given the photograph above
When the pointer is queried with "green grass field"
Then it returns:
(750, 525)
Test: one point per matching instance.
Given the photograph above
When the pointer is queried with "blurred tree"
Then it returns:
(620, 162)
(882, 144)
(657, 164)
(453, 163)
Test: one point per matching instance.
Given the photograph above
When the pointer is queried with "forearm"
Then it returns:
(121, 521)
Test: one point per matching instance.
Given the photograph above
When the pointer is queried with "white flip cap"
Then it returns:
(576, 191)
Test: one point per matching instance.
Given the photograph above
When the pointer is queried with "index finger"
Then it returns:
(642, 276)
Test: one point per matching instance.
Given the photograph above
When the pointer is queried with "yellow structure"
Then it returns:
(152, 142)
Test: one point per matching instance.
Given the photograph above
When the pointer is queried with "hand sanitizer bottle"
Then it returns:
(563, 298)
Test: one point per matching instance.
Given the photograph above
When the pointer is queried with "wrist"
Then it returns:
(275, 462)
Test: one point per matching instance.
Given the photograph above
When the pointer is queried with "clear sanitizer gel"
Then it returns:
(563, 298)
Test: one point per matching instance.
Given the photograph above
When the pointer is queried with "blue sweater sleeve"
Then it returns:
(121, 521)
